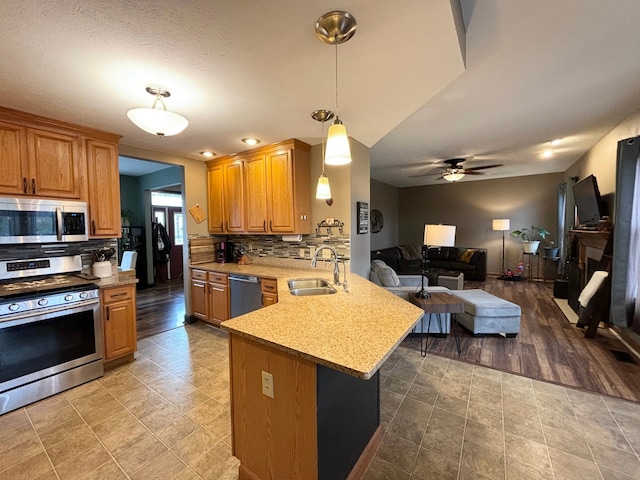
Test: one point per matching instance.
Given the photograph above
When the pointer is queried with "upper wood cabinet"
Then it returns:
(275, 190)
(37, 162)
(104, 189)
(47, 158)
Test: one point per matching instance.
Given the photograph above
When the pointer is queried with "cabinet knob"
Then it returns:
(93, 227)
(264, 225)
(24, 184)
(108, 313)
(271, 225)
(33, 186)
(226, 225)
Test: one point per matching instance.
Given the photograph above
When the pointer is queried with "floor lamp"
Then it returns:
(502, 225)
(434, 236)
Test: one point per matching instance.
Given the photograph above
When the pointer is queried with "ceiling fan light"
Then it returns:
(338, 150)
(323, 190)
(158, 122)
(453, 176)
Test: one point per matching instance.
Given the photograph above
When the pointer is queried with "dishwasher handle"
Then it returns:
(243, 278)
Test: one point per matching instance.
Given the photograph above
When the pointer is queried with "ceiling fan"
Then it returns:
(454, 170)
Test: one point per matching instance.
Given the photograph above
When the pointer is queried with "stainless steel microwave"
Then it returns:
(30, 220)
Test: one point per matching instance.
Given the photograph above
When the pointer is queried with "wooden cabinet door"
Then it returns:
(13, 157)
(104, 189)
(215, 199)
(234, 197)
(119, 319)
(269, 291)
(54, 164)
(255, 174)
(218, 302)
(199, 296)
(269, 299)
(280, 192)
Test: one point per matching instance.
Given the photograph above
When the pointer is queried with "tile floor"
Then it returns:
(166, 416)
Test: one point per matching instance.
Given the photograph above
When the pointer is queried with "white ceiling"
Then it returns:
(534, 71)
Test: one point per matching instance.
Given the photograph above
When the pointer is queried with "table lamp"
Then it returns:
(434, 236)
(502, 225)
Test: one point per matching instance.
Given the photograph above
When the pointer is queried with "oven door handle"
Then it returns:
(59, 221)
(18, 318)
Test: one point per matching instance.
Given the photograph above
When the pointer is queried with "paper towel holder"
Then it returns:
(292, 238)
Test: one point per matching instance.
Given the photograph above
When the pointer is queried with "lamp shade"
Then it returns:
(501, 224)
(158, 122)
(439, 235)
(338, 150)
(453, 177)
(323, 191)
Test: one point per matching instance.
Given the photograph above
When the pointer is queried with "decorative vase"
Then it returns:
(101, 269)
(530, 247)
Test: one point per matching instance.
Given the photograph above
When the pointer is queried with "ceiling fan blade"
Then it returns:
(425, 174)
(471, 172)
(471, 169)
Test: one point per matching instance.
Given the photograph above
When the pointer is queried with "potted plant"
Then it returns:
(531, 237)
(551, 251)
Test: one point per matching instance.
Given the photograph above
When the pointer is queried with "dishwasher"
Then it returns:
(245, 293)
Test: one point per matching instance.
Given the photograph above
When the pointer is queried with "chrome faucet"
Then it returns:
(336, 268)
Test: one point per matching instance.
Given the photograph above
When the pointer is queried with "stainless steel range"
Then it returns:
(50, 329)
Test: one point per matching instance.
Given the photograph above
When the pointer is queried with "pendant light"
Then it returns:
(156, 121)
(323, 190)
(335, 28)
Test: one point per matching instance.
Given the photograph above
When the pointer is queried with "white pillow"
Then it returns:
(385, 273)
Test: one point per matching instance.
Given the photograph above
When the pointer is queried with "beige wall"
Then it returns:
(194, 191)
(360, 192)
(385, 198)
(471, 206)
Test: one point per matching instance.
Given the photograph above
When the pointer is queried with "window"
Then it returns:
(178, 228)
(166, 199)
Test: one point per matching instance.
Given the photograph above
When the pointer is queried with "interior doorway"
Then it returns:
(167, 213)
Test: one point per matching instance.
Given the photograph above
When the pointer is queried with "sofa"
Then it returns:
(407, 260)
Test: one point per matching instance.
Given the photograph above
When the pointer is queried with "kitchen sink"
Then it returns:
(310, 286)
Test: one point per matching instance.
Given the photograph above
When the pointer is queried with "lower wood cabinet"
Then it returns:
(269, 292)
(118, 306)
(210, 296)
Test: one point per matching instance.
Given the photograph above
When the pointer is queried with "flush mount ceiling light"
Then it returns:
(251, 141)
(453, 176)
(157, 121)
(207, 154)
(335, 28)
(323, 190)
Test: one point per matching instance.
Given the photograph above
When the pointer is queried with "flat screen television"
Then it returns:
(588, 202)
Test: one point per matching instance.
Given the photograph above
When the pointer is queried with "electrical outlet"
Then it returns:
(251, 247)
(267, 384)
(301, 253)
(326, 253)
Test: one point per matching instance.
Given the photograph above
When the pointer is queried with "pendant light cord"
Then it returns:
(322, 142)
(337, 115)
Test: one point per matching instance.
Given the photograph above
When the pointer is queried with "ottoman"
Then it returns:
(487, 314)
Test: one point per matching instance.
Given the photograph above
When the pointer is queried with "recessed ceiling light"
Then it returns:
(547, 153)
(251, 141)
(555, 141)
(207, 154)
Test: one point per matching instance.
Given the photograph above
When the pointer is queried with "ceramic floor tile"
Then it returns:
(120, 432)
(568, 441)
(141, 453)
(611, 474)
(10, 437)
(443, 442)
(56, 418)
(215, 462)
(483, 413)
(107, 471)
(427, 380)
(396, 385)
(19, 452)
(517, 381)
(14, 419)
(486, 461)
(571, 467)
(28, 469)
(611, 457)
(398, 452)
(414, 408)
(176, 431)
(455, 389)
(452, 404)
(220, 426)
(403, 373)
(609, 435)
(188, 474)
(424, 394)
(492, 385)
(63, 431)
(206, 413)
(162, 416)
(490, 398)
(194, 445)
(522, 427)
(382, 470)
(483, 435)
(82, 465)
(429, 466)
(390, 400)
(521, 409)
(166, 466)
(617, 405)
(81, 440)
(411, 429)
(447, 421)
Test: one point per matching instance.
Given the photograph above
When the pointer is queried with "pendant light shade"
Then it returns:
(335, 28)
(323, 190)
(338, 151)
(158, 121)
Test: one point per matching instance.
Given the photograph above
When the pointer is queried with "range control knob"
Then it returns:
(84, 295)
(42, 302)
(68, 298)
(14, 307)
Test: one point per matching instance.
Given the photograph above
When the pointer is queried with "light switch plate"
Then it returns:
(301, 253)
(267, 384)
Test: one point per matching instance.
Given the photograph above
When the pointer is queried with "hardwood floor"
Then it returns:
(548, 347)
(160, 308)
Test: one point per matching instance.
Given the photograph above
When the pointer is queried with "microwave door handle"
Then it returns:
(59, 223)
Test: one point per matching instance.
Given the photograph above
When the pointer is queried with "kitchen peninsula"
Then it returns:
(318, 416)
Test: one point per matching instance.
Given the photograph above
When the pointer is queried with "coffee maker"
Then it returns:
(221, 252)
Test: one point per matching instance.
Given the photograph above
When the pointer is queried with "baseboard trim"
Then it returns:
(359, 470)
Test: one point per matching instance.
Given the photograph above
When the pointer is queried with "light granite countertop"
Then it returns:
(117, 280)
(353, 332)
